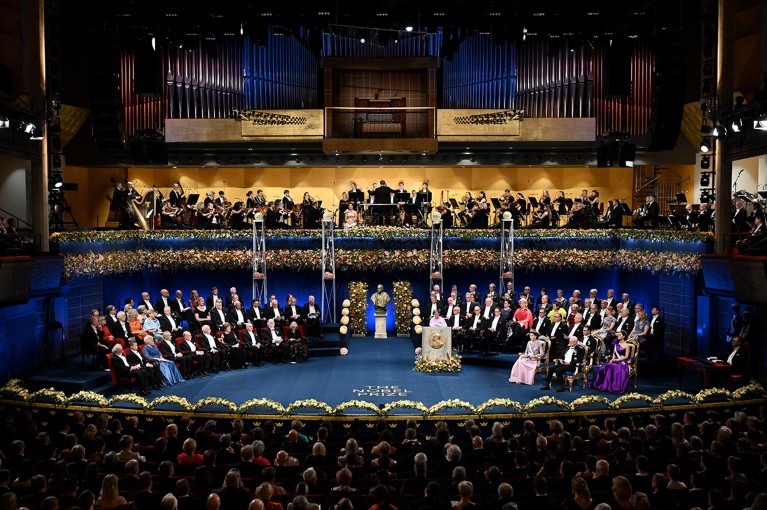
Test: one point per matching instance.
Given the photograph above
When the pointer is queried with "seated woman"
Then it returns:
(135, 326)
(541, 217)
(613, 377)
(298, 351)
(350, 216)
(236, 353)
(523, 371)
(170, 374)
(641, 328)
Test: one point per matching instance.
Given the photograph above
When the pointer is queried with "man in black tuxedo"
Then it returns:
(169, 350)
(91, 342)
(126, 369)
(209, 345)
(163, 301)
(154, 376)
(577, 329)
(457, 323)
(625, 323)
(542, 324)
(215, 296)
(311, 314)
(293, 312)
(256, 315)
(382, 195)
(657, 330)
(189, 349)
(275, 312)
(179, 307)
(218, 317)
(569, 359)
(121, 329)
(110, 313)
(494, 332)
(169, 323)
(738, 358)
(252, 344)
(236, 316)
(475, 326)
(649, 213)
(231, 298)
(590, 342)
(557, 334)
(739, 218)
(610, 298)
(146, 301)
(592, 318)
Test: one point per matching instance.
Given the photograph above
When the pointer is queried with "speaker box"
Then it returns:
(617, 69)
(668, 90)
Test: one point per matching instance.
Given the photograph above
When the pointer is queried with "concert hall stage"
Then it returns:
(377, 377)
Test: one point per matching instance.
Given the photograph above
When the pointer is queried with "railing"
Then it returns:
(391, 122)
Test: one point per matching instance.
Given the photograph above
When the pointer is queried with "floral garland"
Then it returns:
(448, 363)
(122, 262)
(358, 296)
(14, 390)
(403, 295)
(214, 401)
(63, 239)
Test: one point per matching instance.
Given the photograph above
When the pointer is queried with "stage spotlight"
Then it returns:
(705, 162)
(408, 28)
(736, 126)
(362, 40)
(4, 123)
(705, 145)
(719, 132)
(761, 124)
(705, 179)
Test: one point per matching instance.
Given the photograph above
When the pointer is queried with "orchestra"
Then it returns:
(385, 206)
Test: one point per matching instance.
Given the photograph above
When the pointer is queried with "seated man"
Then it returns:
(274, 339)
(571, 357)
(169, 351)
(209, 345)
(457, 324)
(474, 329)
(495, 331)
(311, 314)
(189, 349)
(126, 369)
(252, 344)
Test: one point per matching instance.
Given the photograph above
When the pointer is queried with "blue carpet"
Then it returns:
(378, 371)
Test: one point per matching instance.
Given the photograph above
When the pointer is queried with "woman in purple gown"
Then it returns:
(613, 377)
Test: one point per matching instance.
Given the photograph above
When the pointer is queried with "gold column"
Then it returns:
(724, 78)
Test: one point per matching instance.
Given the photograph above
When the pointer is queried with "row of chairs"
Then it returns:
(592, 362)
(270, 352)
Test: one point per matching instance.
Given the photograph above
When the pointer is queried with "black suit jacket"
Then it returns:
(134, 358)
(90, 338)
(382, 195)
(166, 351)
(545, 326)
(119, 332)
(594, 322)
(305, 310)
(559, 335)
(232, 316)
(251, 314)
(210, 303)
(165, 324)
(461, 322)
(160, 305)
(578, 333)
(659, 328)
(628, 326)
(215, 317)
(740, 362)
(269, 313)
(111, 322)
(177, 307)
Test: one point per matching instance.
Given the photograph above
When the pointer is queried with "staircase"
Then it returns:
(331, 342)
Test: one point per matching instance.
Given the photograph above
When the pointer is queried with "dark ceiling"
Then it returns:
(545, 18)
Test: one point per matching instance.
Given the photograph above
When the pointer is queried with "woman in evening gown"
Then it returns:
(170, 374)
(523, 371)
(613, 377)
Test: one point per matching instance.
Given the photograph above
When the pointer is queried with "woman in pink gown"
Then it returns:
(523, 371)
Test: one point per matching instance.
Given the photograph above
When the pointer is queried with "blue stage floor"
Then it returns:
(380, 371)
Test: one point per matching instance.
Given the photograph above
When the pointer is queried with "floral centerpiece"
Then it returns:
(448, 363)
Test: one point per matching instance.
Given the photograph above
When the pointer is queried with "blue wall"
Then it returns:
(642, 287)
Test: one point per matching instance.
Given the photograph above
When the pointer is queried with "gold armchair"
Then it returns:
(633, 360)
(578, 368)
(543, 363)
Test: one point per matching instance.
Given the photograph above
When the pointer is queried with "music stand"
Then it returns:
(681, 198)
(533, 202)
(453, 203)
(762, 194)
(356, 196)
(569, 203)
(626, 209)
(192, 199)
(496, 202)
(401, 197)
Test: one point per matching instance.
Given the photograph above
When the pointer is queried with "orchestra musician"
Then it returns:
(381, 195)
(649, 213)
(424, 197)
(287, 201)
(238, 216)
(169, 215)
(175, 195)
(343, 206)
(593, 200)
(561, 203)
(545, 198)
(705, 219)
(740, 218)
(541, 217)
(306, 204)
(447, 215)
(208, 216)
(469, 203)
(690, 217)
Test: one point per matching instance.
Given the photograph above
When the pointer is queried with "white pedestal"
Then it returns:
(380, 326)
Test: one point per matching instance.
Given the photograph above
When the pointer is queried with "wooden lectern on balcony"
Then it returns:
(370, 123)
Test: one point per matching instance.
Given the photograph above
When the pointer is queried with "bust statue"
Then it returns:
(380, 299)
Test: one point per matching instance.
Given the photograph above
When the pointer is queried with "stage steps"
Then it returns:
(70, 377)
(329, 345)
